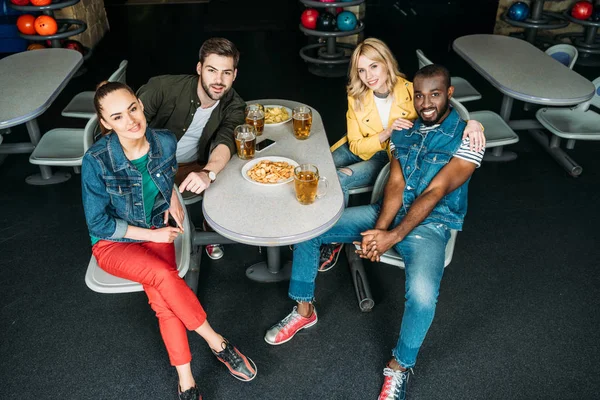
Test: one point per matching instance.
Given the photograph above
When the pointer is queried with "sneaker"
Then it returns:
(214, 251)
(394, 384)
(285, 330)
(240, 366)
(190, 394)
(329, 256)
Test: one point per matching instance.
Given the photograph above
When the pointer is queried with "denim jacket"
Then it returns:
(112, 186)
(422, 157)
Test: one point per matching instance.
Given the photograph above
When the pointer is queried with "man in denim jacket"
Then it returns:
(425, 197)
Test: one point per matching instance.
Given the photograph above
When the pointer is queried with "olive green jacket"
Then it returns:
(170, 102)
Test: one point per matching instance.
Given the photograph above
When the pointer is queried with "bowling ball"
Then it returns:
(20, 2)
(40, 3)
(519, 11)
(326, 22)
(74, 45)
(36, 46)
(582, 10)
(328, 1)
(25, 24)
(346, 21)
(596, 15)
(308, 19)
(45, 25)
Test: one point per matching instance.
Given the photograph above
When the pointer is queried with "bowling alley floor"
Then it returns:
(518, 312)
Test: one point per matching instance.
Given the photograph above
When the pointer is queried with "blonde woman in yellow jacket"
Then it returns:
(380, 100)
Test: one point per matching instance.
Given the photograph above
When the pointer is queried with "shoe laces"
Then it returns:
(230, 355)
(291, 317)
(398, 377)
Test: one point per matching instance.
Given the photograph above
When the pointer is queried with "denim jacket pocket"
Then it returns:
(121, 194)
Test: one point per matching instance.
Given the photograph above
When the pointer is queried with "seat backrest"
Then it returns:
(595, 101)
(120, 74)
(90, 132)
(380, 182)
(564, 54)
(460, 108)
(423, 61)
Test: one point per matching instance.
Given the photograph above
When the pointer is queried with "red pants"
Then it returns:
(154, 266)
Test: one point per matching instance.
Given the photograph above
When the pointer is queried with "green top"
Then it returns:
(170, 102)
(149, 190)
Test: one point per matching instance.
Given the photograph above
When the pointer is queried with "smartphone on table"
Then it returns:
(264, 144)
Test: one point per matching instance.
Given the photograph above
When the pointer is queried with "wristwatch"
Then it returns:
(211, 175)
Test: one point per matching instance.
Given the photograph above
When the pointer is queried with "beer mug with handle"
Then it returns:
(306, 184)
(245, 141)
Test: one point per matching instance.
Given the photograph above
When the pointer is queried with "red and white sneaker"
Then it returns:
(394, 384)
(214, 251)
(285, 329)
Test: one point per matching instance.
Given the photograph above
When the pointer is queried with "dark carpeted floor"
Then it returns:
(518, 314)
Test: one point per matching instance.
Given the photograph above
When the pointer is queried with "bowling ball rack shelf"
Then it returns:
(329, 58)
(66, 27)
(539, 19)
(586, 43)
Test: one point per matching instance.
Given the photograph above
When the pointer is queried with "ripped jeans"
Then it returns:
(364, 173)
(423, 250)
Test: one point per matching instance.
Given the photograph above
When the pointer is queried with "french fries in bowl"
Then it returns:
(276, 115)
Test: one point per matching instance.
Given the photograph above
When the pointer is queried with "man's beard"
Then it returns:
(440, 115)
(206, 88)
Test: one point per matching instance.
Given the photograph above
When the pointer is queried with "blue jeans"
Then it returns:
(423, 251)
(364, 173)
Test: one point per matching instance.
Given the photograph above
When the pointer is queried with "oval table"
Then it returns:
(270, 215)
(29, 82)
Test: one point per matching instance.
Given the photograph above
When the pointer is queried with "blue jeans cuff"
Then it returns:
(302, 291)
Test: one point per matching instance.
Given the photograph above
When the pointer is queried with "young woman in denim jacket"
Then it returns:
(380, 100)
(128, 197)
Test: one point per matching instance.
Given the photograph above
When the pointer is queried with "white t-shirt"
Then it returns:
(187, 147)
(384, 106)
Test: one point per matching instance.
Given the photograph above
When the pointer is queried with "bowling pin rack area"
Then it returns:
(329, 58)
(66, 27)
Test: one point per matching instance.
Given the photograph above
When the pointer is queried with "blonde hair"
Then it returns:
(377, 51)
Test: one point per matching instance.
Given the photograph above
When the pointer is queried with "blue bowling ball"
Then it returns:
(519, 11)
(346, 21)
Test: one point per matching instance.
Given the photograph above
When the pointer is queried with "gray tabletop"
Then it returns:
(271, 216)
(31, 80)
(522, 71)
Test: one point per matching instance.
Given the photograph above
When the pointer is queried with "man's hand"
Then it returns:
(195, 182)
(378, 241)
(176, 211)
(165, 235)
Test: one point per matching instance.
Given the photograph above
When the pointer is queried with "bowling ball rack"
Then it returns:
(328, 58)
(538, 19)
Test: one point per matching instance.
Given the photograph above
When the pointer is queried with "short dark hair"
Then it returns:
(432, 70)
(221, 47)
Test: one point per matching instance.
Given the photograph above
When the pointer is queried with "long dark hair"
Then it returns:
(102, 90)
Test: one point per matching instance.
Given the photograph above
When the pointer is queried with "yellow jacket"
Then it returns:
(364, 125)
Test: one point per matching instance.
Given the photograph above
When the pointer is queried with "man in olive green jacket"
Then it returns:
(202, 111)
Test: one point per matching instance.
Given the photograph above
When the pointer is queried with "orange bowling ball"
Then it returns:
(36, 46)
(45, 25)
(25, 24)
(40, 3)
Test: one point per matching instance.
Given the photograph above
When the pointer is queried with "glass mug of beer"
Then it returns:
(306, 183)
(254, 107)
(302, 122)
(245, 141)
(257, 119)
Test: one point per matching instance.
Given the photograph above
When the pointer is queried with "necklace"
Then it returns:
(382, 95)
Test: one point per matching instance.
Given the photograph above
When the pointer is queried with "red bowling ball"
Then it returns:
(308, 19)
(582, 10)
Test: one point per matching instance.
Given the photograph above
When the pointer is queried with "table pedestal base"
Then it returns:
(270, 270)
(51, 179)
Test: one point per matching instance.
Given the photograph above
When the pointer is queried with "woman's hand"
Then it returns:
(176, 211)
(167, 234)
(474, 131)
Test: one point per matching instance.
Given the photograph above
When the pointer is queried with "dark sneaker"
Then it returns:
(190, 394)
(329, 256)
(240, 366)
(214, 251)
(394, 384)
(285, 329)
